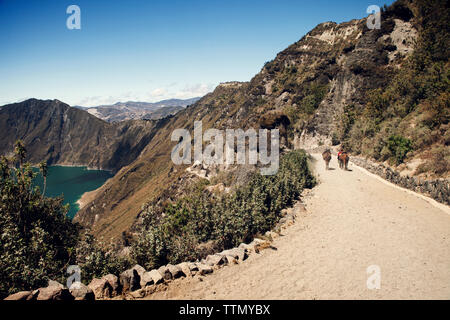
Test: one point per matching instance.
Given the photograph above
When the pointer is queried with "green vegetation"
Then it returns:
(398, 148)
(38, 241)
(96, 259)
(201, 223)
(411, 114)
(306, 102)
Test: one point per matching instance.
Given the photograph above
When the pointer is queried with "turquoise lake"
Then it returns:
(72, 182)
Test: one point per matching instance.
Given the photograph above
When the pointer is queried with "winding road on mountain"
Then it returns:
(354, 225)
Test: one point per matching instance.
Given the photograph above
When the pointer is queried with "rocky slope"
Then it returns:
(59, 134)
(315, 92)
(304, 91)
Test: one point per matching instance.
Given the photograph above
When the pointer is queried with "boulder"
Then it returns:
(231, 260)
(255, 246)
(130, 280)
(165, 273)
(23, 295)
(54, 292)
(204, 269)
(147, 279)
(156, 276)
(186, 268)
(237, 253)
(271, 235)
(140, 270)
(82, 292)
(259, 244)
(101, 288)
(193, 267)
(215, 260)
(52, 283)
(175, 271)
(114, 283)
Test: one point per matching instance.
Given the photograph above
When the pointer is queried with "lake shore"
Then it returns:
(89, 196)
(86, 198)
(68, 165)
(77, 184)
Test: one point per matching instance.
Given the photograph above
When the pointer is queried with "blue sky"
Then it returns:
(148, 50)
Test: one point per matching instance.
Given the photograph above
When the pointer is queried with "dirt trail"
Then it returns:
(353, 221)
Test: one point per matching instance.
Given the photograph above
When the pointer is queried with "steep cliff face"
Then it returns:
(59, 134)
(346, 61)
(309, 84)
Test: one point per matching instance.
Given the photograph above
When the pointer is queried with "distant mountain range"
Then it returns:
(132, 110)
(59, 134)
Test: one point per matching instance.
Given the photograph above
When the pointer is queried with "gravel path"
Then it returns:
(353, 221)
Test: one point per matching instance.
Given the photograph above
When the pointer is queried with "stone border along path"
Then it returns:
(158, 280)
(430, 200)
(435, 189)
(353, 221)
(137, 283)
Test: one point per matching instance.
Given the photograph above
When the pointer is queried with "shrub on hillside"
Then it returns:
(37, 240)
(398, 147)
(438, 163)
(178, 231)
(415, 104)
(96, 260)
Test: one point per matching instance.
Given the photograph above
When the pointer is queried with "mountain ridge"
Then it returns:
(340, 84)
(59, 134)
(320, 83)
(136, 110)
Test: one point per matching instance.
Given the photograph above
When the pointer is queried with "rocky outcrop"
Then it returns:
(189, 268)
(309, 83)
(114, 282)
(237, 253)
(214, 260)
(175, 271)
(165, 273)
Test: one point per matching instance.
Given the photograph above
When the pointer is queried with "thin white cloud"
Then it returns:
(159, 92)
(197, 90)
(153, 95)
